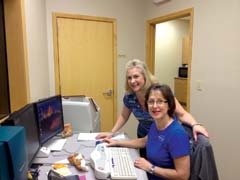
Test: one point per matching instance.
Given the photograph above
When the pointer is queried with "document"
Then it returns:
(87, 136)
(92, 136)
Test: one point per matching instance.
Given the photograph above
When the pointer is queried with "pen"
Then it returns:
(112, 162)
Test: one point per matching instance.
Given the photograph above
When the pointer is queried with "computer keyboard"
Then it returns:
(113, 162)
(122, 164)
(56, 144)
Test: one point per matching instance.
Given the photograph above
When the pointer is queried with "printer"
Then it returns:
(82, 112)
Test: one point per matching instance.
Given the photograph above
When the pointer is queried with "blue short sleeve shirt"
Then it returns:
(163, 146)
(144, 118)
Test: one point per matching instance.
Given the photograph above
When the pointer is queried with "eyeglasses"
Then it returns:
(158, 102)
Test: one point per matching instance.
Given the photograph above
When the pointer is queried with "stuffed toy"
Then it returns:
(78, 161)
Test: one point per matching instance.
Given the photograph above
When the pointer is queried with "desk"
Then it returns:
(83, 147)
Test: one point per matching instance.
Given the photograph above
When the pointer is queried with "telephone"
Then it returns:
(99, 160)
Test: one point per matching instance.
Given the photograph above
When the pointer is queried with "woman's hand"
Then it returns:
(142, 163)
(197, 128)
(104, 135)
(110, 142)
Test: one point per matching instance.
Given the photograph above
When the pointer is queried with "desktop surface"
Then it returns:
(85, 148)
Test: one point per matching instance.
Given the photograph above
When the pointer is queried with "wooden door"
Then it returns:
(85, 61)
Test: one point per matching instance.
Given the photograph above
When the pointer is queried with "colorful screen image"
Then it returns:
(50, 117)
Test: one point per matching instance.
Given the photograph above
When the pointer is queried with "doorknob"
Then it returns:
(108, 93)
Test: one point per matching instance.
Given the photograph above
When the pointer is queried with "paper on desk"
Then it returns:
(92, 136)
(64, 161)
(119, 136)
(64, 171)
(87, 136)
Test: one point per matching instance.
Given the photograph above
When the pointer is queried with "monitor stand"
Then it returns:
(44, 152)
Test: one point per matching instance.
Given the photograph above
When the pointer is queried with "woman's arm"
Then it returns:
(121, 120)
(131, 143)
(187, 118)
(181, 171)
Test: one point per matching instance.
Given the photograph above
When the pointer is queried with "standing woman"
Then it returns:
(138, 80)
(167, 143)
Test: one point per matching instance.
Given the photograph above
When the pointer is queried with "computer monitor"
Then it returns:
(49, 117)
(26, 117)
(13, 154)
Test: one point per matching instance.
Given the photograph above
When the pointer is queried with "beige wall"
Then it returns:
(37, 49)
(215, 59)
(215, 62)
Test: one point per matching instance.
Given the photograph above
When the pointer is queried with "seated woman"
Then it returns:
(167, 144)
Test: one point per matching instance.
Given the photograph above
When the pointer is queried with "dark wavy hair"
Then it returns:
(167, 94)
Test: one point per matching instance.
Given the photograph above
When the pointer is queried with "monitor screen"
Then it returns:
(26, 117)
(49, 117)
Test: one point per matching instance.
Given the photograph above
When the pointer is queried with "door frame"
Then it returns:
(16, 49)
(150, 41)
(56, 15)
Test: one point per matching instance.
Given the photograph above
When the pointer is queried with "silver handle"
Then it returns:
(108, 93)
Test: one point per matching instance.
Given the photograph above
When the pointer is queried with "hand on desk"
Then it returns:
(103, 135)
(110, 142)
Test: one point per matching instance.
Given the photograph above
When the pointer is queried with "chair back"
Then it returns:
(202, 161)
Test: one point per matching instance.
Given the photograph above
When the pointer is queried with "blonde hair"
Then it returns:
(148, 76)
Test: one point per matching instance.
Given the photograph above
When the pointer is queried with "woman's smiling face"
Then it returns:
(157, 105)
(136, 79)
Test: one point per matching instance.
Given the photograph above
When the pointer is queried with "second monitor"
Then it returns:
(26, 117)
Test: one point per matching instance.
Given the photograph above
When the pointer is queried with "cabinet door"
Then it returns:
(186, 53)
(180, 90)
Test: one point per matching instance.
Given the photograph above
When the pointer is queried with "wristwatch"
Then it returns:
(151, 170)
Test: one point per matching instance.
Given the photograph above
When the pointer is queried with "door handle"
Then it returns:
(108, 93)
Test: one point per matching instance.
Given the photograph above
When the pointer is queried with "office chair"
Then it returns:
(202, 161)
